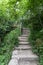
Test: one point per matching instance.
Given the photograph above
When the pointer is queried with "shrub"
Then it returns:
(36, 36)
(9, 42)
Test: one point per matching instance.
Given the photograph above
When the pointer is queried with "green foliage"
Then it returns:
(36, 36)
(25, 23)
(9, 42)
(15, 10)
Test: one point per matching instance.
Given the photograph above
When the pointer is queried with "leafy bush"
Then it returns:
(36, 36)
(9, 42)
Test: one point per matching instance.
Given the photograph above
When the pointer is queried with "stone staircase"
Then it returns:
(23, 55)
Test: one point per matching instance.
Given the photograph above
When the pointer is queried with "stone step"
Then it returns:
(24, 35)
(21, 47)
(25, 29)
(25, 32)
(23, 43)
(25, 57)
(22, 52)
(22, 39)
(25, 52)
(13, 62)
(23, 62)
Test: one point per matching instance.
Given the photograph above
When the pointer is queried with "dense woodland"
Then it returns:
(12, 13)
